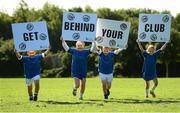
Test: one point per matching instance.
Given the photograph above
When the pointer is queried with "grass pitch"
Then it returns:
(127, 94)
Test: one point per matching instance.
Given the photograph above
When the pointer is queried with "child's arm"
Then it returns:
(47, 51)
(117, 51)
(164, 46)
(93, 47)
(18, 55)
(140, 46)
(64, 44)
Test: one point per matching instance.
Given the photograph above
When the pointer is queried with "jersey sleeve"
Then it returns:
(112, 54)
(145, 54)
(157, 53)
(87, 51)
(40, 56)
(71, 50)
(23, 58)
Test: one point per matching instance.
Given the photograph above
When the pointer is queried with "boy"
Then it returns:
(149, 66)
(106, 65)
(79, 65)
(32, 70)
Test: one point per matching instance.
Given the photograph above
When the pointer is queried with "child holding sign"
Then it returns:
(79, 65)
(32, 70)
(106, 64)
(149, 66)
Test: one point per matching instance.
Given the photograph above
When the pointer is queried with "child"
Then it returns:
(32, 71)
(79, 65)
(149, 66)
(106, 64)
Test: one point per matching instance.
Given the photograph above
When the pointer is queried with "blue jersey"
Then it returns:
(149, 66)
(79, 62)
(106, 63)
(32, 65)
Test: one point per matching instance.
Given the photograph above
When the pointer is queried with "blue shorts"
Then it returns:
(147, 77)
(79, 76)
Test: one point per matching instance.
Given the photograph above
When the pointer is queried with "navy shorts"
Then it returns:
(147, 77)
(79, 76)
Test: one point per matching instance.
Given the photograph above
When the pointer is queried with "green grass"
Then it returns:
(55, 95)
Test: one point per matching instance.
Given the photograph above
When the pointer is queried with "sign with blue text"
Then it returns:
(154, 27)
(30, 36)
(112, 33)
(79, 26)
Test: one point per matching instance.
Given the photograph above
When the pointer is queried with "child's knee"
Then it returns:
(103, 85)
(109, 86)
(77, 85)
(147, 86)
(156, 83)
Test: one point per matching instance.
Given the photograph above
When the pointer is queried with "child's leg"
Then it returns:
(83, 86)
(29, 87)
(154, 87)
(76, 86)
(155, 84)
(76, 83)
(104, 86)
(30, 90)
(147, 88)
(109, 81)
(108, 85)
(36, 84)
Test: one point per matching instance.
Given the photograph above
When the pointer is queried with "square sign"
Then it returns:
(79, 26)
(30, 36)
(112, 33)
(154, 27)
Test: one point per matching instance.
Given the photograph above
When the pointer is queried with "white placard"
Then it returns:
(30, 36)
(154, 27)
(79, 26)
(112, 33)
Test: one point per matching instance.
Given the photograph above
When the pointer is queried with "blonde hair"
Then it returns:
(80, 42)
(150, 46)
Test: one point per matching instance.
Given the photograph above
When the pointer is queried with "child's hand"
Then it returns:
(15, 50)
(137, 40)
(49, 47)
(98, 38)
(168, 41)
(61, 38)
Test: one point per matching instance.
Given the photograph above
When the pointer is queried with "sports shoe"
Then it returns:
(152, 93)
(108, 92)
(74, 92)
(80, 98)
(105, 96)
(35, 97)
(30, 98)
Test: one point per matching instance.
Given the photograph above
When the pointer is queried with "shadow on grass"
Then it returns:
(139, 101)
(100, 102)
(67, 103)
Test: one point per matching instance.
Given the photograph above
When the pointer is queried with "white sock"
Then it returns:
(154, 87)
(81, 95)
(147, 91)
(74, 88)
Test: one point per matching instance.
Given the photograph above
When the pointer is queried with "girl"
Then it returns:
(149, 66)
(106, 64)
(32, 70)
(79, 65)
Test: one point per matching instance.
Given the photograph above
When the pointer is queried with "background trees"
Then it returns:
(57, 64)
